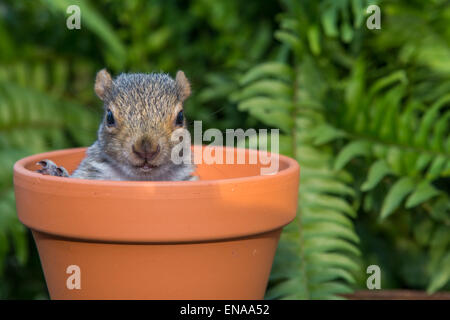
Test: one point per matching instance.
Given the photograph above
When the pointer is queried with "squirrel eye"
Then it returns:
(180, 118)
(110, 118)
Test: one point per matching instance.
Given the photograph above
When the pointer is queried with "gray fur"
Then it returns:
(98, 167)
(145, 106)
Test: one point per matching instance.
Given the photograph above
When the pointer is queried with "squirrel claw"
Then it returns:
(51, 169)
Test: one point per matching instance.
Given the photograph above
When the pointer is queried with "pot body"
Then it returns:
(210, 239)
(231, 269)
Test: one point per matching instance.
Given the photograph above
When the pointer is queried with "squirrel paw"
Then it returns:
(51, 169)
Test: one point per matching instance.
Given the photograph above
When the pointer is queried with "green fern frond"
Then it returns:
(34, 118)
(416, 154)
(317, 253)
(405, 145)
(382, 127)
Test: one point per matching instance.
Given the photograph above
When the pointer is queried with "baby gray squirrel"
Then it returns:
(134, 138)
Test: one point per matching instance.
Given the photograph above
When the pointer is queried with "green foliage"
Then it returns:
(365, 113)
(33, 119)
(369, 142)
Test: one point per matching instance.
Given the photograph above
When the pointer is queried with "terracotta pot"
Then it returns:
(208, 239)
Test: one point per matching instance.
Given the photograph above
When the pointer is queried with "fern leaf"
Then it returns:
(442, 276)
(275, 69)
(422, 193)
(352, 150)
(395, 196)
(377, 171)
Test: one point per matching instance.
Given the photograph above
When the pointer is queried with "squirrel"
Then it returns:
(141, 111)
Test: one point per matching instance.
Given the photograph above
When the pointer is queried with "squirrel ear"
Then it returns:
(184, 87)
(103, 83)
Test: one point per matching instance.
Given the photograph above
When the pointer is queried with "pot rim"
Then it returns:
(162, 211)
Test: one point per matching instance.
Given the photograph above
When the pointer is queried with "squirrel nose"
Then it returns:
(146, 152)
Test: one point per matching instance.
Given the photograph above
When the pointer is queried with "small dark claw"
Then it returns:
(51, 169)
(194, 178)
(62, 172)
(43, 163)
(47, 167)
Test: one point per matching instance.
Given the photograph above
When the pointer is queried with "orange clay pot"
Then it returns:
(209, 239)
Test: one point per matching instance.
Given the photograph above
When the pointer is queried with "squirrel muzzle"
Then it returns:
(146, 150)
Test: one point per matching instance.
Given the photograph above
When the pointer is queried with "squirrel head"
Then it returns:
(141, 113)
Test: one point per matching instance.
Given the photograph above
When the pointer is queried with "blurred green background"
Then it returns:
(365, 112)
